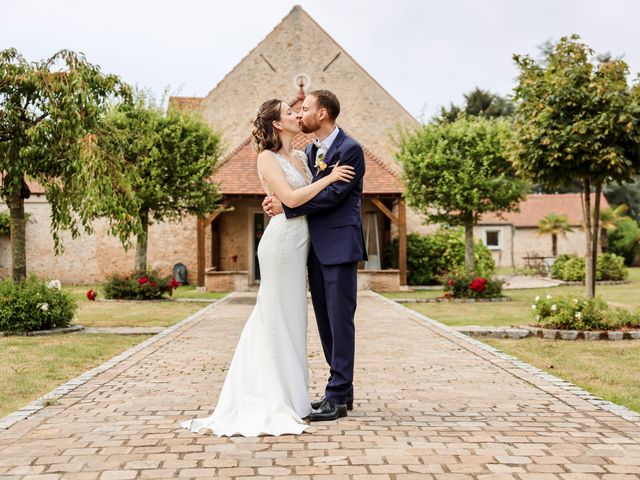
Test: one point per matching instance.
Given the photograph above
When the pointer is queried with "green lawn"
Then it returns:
(33, 366)
(134, 314)
(610, 370)
(115, 313)
(517, 311)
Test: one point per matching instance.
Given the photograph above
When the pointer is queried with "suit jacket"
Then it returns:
(333, 215)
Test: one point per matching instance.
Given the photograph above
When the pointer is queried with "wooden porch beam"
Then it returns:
(200, 250)
(382, 207)
(402, 234)
(213, 216)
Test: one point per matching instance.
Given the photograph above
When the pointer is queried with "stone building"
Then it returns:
(297, 51)
(513, 238)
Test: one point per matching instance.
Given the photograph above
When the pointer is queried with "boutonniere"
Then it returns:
(320, 164)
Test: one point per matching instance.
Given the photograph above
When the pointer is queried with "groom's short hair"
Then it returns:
(328, 101)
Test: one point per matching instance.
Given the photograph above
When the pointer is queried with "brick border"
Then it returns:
(570, 388)
(62, 390)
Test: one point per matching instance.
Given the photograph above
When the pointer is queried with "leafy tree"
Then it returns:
(576, 120)
(455, 172)
(554, 225)
(478, 103)
(50, 132)
(173, 156)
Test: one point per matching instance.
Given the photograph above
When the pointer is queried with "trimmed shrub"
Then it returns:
(461, 285)
(570, 268)
(34, 304)
(430, 257)
(131, 287)
(579, 313)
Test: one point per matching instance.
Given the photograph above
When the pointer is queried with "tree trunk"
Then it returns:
(588, 257)
(18, 237)
(469, 257)
(554, 244)
(141, 244)
(596, 229)
(604, 240)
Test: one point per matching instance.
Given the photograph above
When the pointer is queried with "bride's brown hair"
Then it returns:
(265, 137)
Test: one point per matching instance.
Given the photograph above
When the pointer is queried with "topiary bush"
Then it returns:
(34, 304)
(570, 268)
(430, 257)
(579, 313)
(132, 287)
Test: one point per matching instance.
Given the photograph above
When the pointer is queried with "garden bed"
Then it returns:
(452, 300)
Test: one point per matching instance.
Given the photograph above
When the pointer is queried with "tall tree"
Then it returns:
(49, 132)
(554, 225)
(173, 156)
(577, 120)
(454, 172)
(478, 103)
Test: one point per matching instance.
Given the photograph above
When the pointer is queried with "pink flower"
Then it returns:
(143, 280)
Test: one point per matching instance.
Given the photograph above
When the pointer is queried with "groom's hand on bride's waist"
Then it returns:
(272, 205)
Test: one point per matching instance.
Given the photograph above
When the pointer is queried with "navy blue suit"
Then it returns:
(337, 244)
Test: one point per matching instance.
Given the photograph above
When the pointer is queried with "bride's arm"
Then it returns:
(272, 173)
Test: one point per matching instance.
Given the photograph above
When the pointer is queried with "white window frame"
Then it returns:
(491, 230)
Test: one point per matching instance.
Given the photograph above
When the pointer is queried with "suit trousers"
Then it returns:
(334, 291)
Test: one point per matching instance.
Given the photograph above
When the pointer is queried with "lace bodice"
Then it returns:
(294, 177)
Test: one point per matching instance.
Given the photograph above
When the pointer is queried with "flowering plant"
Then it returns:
(147, 287)
(579, 313)
(32, 304)
(92, 294)
(459, 284)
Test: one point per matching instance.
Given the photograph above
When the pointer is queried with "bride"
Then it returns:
(265, 391)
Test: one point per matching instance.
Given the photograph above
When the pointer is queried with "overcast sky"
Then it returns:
(425, 53)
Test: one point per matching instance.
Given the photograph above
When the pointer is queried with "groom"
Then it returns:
(337, 244)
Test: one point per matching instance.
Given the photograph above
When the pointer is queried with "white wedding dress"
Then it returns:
(266, 388)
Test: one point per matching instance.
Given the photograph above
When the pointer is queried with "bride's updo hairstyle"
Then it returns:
(265, 137)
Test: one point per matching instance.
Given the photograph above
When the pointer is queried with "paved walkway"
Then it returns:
(430, 404)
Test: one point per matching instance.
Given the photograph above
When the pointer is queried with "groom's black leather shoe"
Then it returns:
(328, 410)
(316, 405)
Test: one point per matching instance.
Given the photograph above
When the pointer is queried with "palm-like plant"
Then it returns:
(554, 225)
(610, 218)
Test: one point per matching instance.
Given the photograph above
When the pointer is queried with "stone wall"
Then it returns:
(91, 258)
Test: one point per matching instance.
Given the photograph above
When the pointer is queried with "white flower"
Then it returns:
(537, 299)
(54, 284)
(575, 300)
(548, 297)
(44, 307)
(578, 315)
(533, 307)
(554, 307)
(537, 318)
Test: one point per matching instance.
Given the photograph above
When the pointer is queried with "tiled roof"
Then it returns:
(238, 173)
(537, 206)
